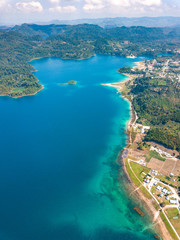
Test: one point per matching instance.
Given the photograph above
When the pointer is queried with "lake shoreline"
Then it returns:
(146, 203)
(42, 86)
(25, 95)
(31, 94)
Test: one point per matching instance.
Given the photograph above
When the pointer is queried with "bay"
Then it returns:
(59, 179)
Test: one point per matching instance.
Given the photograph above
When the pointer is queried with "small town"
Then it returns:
(167, 68)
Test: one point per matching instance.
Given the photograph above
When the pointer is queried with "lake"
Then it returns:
(59, 179)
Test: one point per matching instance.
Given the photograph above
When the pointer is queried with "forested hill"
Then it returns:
(21, 44)
(81, 31)
(90, 31)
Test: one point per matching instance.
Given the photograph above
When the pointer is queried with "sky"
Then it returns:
(29, 11)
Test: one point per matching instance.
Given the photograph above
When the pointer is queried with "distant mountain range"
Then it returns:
(115, 22)
(123, 21)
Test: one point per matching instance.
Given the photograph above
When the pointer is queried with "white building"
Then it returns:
(159, 188)
(173, 201)
(145, 128)
(165, 191)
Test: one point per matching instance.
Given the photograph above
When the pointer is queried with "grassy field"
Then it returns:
(173, 212)
(154, 154)
(153, 189)
(131, 174)
(139, 170)
(168, 226)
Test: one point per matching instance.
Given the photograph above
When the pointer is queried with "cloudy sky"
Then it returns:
(18, 11)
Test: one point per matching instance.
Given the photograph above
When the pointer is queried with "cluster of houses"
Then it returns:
(156, 69)
(163, 152)
(147, 179)
(164, 191)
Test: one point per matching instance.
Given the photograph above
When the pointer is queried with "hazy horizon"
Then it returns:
(30, 11)
(128, 21)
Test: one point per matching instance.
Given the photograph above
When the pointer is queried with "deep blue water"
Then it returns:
(59, 179)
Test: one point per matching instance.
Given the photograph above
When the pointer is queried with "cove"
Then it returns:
(59, 179)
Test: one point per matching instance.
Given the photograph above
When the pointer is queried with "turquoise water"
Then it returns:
(59, 179)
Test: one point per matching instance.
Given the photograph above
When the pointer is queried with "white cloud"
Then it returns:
(69, 9)
(29, 6)
(56, 9)
(2, 2)
(93, 5)
(149, 3)
(94, 1)
(121, 3)
(88, 7)
(54, 1)
(66, 9)
(99, 4)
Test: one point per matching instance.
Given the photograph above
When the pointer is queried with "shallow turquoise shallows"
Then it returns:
(59, 179)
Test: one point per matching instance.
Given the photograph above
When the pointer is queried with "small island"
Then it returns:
(71, 82)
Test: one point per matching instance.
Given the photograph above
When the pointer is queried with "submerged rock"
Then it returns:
(138, 210)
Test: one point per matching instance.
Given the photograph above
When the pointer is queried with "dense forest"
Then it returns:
(20, 44)
(159, 107)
